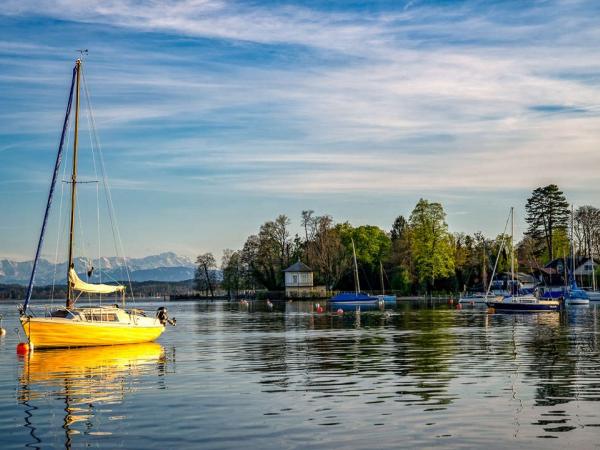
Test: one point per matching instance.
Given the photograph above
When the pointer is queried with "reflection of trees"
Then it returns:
(333, 356)
(551, 361)
(425, 355)
(555, 354)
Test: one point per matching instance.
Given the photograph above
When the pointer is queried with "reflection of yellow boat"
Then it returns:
(71, 326)
(87, 377)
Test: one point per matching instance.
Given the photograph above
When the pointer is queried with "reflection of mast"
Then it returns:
(84, 378)
(67, 420)
(512, 251)
(29, 425)
(514, 382)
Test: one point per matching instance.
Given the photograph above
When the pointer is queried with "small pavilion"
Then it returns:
(299, 281)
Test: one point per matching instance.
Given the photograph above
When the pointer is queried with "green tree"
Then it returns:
(547, 212)
(326, 252)
(308, 222)
(372, 243)
(587, 228)
(401, 258)
(398, 228)
(431, 242)
(233, 272)
(205, 277)
(269, 252)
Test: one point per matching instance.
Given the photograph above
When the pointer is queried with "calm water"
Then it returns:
(230, 376)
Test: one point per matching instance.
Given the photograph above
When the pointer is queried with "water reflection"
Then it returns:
(86, 380)
(288, 376)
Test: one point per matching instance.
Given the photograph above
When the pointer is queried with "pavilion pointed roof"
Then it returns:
(298, 267)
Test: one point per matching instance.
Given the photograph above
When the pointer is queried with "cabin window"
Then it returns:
(99, 317)
(60, 313)
(295, 279)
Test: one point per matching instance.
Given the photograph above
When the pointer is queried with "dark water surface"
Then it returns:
(231, 376)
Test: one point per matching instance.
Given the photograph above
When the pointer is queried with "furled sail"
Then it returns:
(79, 285)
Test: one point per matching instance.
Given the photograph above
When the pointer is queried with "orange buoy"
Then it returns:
(22, 348)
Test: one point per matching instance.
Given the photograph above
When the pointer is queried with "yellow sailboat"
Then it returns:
(73, 326)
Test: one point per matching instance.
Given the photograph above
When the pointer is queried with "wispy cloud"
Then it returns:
(286, 100)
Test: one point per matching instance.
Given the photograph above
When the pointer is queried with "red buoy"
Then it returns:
(340, 311)
(22, 348)
(459, 306)
(320, 309)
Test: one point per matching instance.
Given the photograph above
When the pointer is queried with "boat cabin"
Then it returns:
(97, 314)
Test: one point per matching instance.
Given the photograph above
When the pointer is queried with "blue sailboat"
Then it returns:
(356, 298)
(574, 295)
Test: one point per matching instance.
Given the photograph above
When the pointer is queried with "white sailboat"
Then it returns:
(515, 302)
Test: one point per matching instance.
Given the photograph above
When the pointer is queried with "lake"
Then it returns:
(419, 375)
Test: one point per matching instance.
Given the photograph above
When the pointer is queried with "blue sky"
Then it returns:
(216, 116)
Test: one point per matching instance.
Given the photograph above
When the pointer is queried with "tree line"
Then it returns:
(417, 255)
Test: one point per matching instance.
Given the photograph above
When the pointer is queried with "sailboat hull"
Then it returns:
(524, 307)
(51, 332)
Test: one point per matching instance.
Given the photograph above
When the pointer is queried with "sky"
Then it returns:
(216, 116)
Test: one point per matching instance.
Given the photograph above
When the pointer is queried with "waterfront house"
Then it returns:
(556, 272)
(299, 282)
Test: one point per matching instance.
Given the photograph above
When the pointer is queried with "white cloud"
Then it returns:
(421, 99)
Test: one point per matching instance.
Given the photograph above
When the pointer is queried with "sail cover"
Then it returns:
(79, 285)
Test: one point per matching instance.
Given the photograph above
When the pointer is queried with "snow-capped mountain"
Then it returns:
(164, 267)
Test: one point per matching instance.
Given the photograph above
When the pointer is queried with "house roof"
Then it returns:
(298, 267)
(520, 276)
(579, 261)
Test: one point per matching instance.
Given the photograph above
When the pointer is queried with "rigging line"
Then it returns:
(111, 213)
(498, 256)
(108, 197)
(84, 251)
(88, 110)
(50, 195)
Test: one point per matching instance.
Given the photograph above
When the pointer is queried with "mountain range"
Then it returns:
(164, 267)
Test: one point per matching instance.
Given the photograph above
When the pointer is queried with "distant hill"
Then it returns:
(167, 267)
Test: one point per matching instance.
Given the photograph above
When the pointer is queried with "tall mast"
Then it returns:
(484, 268)
(70, 299)
(381, 275)
(356, 280)
(512, 249)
